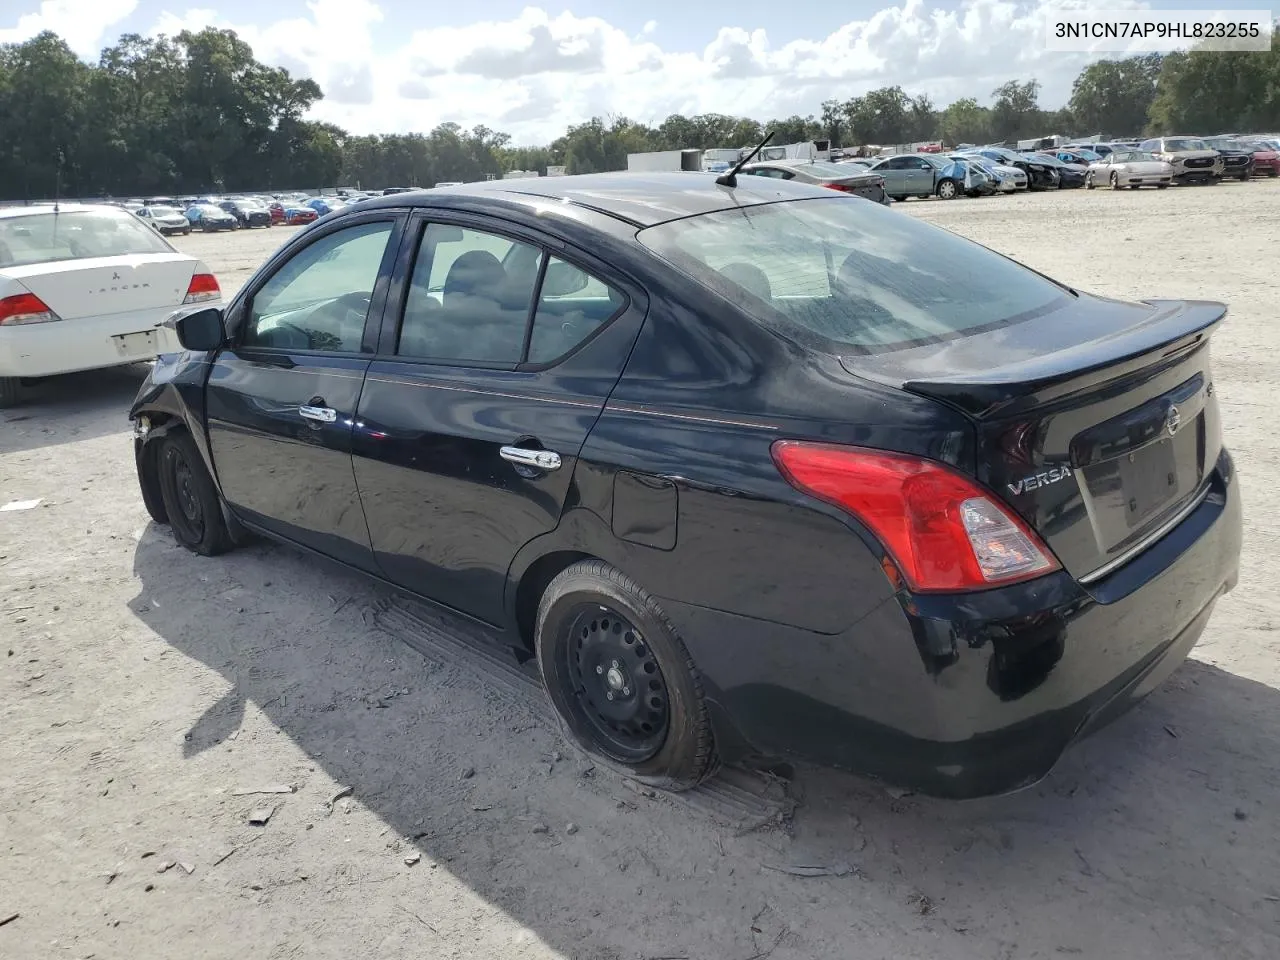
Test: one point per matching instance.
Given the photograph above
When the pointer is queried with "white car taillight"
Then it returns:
(24, 308)
(203, 286)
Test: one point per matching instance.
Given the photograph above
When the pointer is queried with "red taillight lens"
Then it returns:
(843, 188)
(943, 532)
(25, 308)
(203, 286)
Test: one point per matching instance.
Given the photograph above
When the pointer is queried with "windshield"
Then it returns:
(852, 280)
(1133, 156)
(75, 235)
(1184, 143)
(209, 210)
(165, 212)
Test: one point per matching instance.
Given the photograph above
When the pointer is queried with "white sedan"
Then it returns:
(84, 287)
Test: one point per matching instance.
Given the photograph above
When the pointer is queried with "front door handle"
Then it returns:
(537, 459)
(318, 414)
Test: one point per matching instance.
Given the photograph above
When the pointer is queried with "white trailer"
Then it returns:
(666, 160)
(808, 150)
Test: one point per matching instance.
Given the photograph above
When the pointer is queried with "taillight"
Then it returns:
(842, 187)
(25, 308)
(942, 531)
(203, 286)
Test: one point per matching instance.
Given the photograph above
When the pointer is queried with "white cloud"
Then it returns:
(83, 24)
(536, 73)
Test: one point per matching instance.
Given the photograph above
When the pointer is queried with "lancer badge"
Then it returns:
(1173, 420)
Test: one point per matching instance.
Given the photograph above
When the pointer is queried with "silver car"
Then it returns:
(1008, 179)
(1129, 168)
(1193, 160)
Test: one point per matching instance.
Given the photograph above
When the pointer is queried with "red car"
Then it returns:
(1266, 160)
(299, 214)
(276, 209)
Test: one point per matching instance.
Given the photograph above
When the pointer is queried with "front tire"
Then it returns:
(1115, 181)
(10, 392)
(1088, 181)
(620, 679)
(947, 190)
(190, 499)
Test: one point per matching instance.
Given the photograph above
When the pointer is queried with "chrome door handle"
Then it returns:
(538, 459)
(318, 414)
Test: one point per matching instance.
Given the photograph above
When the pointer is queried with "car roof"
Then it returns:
(639, 199)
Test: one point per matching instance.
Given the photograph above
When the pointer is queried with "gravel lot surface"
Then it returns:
(433, 811)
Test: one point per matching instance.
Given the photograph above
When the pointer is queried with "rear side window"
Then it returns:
(572, 305)
(469, 296)
(854, 276)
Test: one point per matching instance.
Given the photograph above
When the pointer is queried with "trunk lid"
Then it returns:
(74, 289)
(1097, 423)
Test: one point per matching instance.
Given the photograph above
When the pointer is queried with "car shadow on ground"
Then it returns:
(75, 406)
(1156, 837)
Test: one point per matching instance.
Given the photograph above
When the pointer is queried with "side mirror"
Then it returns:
(562, 279)
(201, 331)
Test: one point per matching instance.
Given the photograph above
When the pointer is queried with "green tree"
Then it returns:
(964, 121)
(1210, 91)
(1015, 110)
(1113, 97)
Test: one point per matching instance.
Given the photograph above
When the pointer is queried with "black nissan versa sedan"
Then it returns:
(754, 470)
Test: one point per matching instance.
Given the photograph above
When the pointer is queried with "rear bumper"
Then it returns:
(970, 695)
(68, 346)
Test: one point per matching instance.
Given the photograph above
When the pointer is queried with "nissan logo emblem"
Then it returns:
(1173, 420)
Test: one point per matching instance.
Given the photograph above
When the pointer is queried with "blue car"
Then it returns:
(209, 218)
(323, 205)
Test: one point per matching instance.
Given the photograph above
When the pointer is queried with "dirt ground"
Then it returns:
(144, 688)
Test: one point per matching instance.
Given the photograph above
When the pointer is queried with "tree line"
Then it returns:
(197, 112)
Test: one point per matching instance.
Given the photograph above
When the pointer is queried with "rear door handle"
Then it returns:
(537, 459)
(318, 414)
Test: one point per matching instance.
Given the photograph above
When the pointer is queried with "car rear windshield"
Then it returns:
(75, 235)
(850, 276)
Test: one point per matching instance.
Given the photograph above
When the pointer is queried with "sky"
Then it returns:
(397, 66)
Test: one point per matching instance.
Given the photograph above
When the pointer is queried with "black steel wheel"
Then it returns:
(618, 687)
(191, 503)
(10, 392)
(620, 679)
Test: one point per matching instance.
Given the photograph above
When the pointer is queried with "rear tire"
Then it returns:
(190, 498)
(947, 190)
(10, 392)
(1273, 172)
(620, 679)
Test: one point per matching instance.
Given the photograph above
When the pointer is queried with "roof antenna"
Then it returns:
(730, 178)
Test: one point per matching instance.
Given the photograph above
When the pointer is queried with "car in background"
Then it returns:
(297, 213)
(1237, 157)
(210, 219)
(168, 220)
(83, 287)
(1081, 158)
(977, 181)
(324, 205)
(389, 191)
(1266, 157)
(1040, 175)
(449, 183)
(834, 176)
(249, 213)
(1129, 168)
(160, 202)
(1193, 160)
(1070, 175)
(920, 175)
(276, 209)
(1101, 149)
(761, 471)
(1007, 179)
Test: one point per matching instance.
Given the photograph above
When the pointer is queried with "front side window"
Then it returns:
(319, 299)
(75, 235)
(851, 277)
(469, 296)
